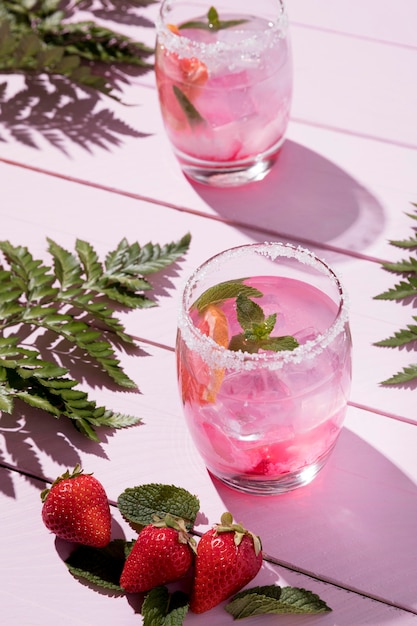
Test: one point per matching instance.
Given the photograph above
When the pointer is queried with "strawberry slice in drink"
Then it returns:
(175, 74)
(198, 382)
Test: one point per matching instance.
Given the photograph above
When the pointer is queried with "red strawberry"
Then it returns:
(76, 508)
(228, 557)
(161, 554)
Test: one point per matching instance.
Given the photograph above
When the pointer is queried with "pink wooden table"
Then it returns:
(346, 176)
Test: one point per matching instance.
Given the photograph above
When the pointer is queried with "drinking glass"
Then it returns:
(224, 79)
(264, 365)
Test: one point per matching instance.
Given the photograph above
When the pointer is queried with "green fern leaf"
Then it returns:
(406, 266)
(401, 337)
(407, 375)
(92, 267)
(129, 299)
(75, 311)
(37, 37)
(404, 289)
(66, 266)
(144, 260)
(6, 400)
(405, 243)
(105, 316)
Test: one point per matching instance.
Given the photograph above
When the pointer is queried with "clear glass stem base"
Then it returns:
(218, 174)
(283, 484)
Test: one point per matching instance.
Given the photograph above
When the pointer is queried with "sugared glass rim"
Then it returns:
(184, 46)
(217, 356)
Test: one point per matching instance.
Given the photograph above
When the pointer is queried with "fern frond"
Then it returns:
(406, 375)
(404, 289)
(400, 338)
(74, 300)
(406, 266)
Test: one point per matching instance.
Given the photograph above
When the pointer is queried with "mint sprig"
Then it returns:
(272, 599)
(213, 23)
(257, 329)
(404, 291)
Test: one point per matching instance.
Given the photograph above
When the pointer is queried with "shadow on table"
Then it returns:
(361, 507)
(30, 433)
(306, 198)
(56, 111)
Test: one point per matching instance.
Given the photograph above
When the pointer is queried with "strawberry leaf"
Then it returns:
(100, 566)
(140, 504)
(272, 599)
(161, 608)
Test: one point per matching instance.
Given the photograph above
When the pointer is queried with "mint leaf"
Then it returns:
(272, 599)
(100, 566)
(277, 344)
(257, 329)
(213, 23)
(193, 116)
(249, 313)
(224, 291)
(161, 608)
(139, 504)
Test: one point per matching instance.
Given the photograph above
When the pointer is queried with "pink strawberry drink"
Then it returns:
(224, 89)
(265, 422)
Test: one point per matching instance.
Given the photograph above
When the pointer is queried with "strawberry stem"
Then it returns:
(226, 526)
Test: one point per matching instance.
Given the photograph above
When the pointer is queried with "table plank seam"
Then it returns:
(235, 223)
(266, 557)
(334, 31)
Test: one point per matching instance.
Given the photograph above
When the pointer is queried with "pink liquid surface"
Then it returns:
(244, 106)
(266, 423)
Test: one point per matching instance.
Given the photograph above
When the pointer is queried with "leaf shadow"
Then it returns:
(118, 11)
(162, 281)
(54, 110)
(30, 435)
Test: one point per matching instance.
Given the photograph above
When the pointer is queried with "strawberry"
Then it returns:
(161, 554)
(76, 508)
(228, 557)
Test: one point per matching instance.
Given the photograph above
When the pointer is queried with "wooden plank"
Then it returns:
(34, 560)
